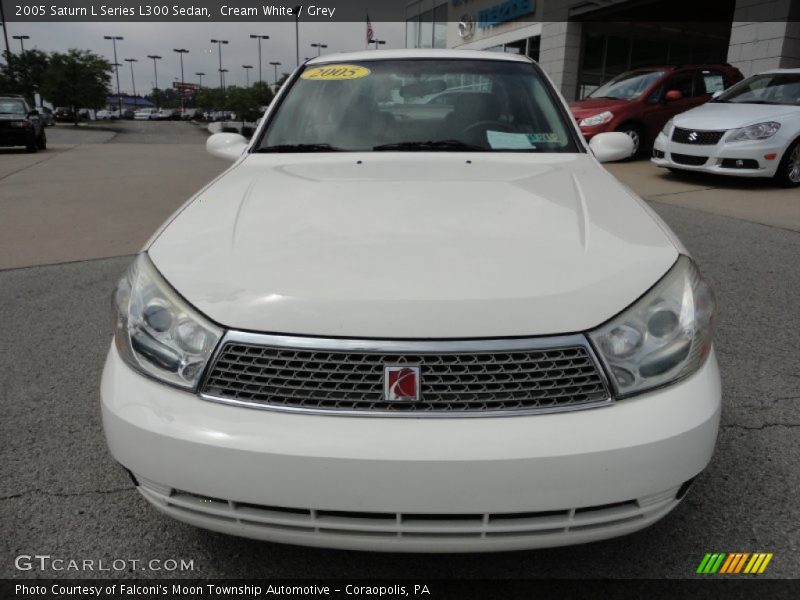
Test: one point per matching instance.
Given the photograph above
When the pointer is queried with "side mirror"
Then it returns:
(717, 93)
(673, 95)
(228, 146)
(611, 146)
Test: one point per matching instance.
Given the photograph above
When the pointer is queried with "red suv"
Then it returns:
(641, 101)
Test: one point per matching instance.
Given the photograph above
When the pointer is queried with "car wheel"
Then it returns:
(788, 174)
(32, 145)
(637, 135)
(42, 141)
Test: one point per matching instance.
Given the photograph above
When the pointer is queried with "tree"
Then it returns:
(77, 78)
(24, 73)
(244, 102)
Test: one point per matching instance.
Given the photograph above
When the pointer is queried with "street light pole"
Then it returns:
(5, 34)
(319, 48)
(181, 52)
(219, 48)
(133, 80)
(200, 75)
(297, 10)
(222, 75)
(21, 39)
(379, 43)
(247, 73)
(276, 64)
(259, 38)
(155, 57)
(114, 39)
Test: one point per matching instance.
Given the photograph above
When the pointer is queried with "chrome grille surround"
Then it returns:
(459, 378)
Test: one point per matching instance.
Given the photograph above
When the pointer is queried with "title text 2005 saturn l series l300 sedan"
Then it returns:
(416, 314)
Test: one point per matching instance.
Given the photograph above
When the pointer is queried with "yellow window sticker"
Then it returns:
(335, 73)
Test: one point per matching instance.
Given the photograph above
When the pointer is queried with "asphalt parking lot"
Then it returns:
(70, 219)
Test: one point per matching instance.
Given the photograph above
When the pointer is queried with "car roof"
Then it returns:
(421, 53)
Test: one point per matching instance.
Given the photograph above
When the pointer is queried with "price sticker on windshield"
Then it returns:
(335, 73)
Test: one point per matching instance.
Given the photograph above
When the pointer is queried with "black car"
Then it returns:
(65, 114)
(19, 125)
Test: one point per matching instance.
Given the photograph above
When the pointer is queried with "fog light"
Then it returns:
(771, 156)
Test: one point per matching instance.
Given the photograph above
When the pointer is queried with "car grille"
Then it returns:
(535, 378)
(688, 159)
(692, 136)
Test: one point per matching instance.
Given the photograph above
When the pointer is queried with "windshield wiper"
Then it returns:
(299, 148)
(430, 146)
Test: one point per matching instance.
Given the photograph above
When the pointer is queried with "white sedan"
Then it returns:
(386, 330)
(750, 130)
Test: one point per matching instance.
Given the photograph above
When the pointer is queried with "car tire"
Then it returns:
(41, 142)
(32, 145)
(636, 133)
(788, 173)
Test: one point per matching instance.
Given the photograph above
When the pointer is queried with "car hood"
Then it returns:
(592, 106)
(393, 245)
(723, 115)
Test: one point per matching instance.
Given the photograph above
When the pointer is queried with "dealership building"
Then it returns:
(582, 43)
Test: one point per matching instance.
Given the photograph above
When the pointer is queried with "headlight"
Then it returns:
(157, 332)
(601, 119)
(665, 336)
(667, 128)
(759, 131)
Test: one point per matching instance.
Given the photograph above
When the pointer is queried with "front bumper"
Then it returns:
(664, 150)
(411, 484)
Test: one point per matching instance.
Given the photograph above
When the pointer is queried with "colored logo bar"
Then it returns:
(734, 563)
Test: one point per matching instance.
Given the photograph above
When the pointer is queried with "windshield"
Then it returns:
(12, 106)
(419, 105)
(627, 86)
(774, 88)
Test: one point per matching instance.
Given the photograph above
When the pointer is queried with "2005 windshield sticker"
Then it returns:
(335, 73)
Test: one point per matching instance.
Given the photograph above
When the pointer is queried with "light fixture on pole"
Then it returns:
(130, 61)
(378, 43)
(114, 39)
(155, 57)
(247, 73)
(319, 47)
(219, 48)
(181, 52)
(21, 39)
(276, 64)
(200, 75)
(259, 38)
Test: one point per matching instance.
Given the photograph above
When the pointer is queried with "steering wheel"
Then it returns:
(471, 130)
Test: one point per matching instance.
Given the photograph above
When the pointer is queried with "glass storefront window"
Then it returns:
(427, 29)
(606, 56)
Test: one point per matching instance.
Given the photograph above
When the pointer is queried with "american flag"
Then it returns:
(370, 31)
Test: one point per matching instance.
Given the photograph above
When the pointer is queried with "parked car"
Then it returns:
(751, 130)
(169, 114)
(145, 114)
(20, 125)
(107, 115)
(640, 101)
(46, 114)
(64, 114)
(459, 334)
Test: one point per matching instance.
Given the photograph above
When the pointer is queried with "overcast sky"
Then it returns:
(142, 39)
